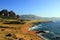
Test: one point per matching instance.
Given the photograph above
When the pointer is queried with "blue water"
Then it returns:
(52, 27)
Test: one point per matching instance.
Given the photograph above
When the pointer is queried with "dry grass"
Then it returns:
(19, 30)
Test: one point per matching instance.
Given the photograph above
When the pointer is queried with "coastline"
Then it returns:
(21, 31)
(25, 27)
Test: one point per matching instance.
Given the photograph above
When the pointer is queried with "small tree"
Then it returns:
(18, 16)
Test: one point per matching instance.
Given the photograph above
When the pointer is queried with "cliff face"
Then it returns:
(8, 14)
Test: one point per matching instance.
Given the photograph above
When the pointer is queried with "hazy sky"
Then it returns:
(44, 8)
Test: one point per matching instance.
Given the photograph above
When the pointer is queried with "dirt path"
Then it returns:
(24, 29)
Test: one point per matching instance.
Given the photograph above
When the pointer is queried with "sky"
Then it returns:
(42, 8)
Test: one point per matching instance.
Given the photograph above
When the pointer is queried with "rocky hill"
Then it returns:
(8, 14)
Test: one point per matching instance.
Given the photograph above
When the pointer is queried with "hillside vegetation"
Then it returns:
(5, 14)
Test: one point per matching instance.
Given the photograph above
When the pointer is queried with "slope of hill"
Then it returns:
(33, 17)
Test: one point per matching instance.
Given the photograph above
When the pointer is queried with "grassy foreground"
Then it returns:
(17, 30)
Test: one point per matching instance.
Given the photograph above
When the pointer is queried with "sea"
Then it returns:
(50, 30)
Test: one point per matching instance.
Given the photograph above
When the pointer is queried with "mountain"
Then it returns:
(33, 17)
(29, 17)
